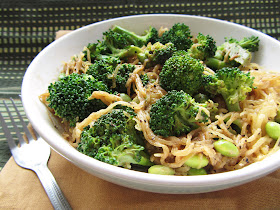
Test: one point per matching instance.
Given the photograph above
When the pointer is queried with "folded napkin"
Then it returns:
(21, 189)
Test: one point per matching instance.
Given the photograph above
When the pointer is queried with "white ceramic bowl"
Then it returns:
(45, 69)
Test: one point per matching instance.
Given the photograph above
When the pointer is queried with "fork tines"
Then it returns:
(13, 119)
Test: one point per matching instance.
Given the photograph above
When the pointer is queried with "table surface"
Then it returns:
(27, 27)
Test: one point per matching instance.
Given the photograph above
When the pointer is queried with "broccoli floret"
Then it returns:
(113, 45)
(229, 55)
(113, 73)
(182, 72)
(97, 51)
(201, 97)
(113, 139)
(203, 48)
(119, 44)
(179, 35)
(211, 106)
(232, 83)
(156, 54)
(120, 77)
(145, 79)
(233, 53)
(69, 97)
(101, 69)
(150, 35)
(116, 40)
(175, 114)
(249, 43)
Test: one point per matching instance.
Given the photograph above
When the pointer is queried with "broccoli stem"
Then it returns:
(120, 53)
(232, 107)
(127, 52)
(144, 161)
(132, 37)
(215, 63)
(142, 57)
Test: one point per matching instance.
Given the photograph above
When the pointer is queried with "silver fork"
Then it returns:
(33, 155)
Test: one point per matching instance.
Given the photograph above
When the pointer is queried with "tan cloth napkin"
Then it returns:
(21, 189)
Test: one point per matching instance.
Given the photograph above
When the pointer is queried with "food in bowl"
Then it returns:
(170, 101)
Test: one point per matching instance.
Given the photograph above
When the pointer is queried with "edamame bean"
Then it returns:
(194, 171)
(226, 148)
(160, 169)
(273, 130)
(197, 161)
(125, 97)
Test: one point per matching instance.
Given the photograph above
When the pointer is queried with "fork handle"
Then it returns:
(52, 189)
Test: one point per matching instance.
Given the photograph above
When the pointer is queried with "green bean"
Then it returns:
(226, 148)
(197, 161)
(277, 118)
(125, 97)
(273, 130)
(160, 169)
(194, 171)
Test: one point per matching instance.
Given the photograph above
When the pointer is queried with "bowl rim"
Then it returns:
(266, 166)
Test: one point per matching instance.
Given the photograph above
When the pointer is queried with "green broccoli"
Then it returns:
(113, 73)
(97, 51)
(249, 43)
(119, 44)
(156, 54)
(229, 55)
(179, 35)
(212, 108)
(232, 83)
(69, 97)
(145, 79)
(150, 35)
(175, 114)
(203, 48)
(113, 139)
(182, 72)
(115, 39)
(233, 53)
(201, 97)
(101, 69)
(113, 45)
